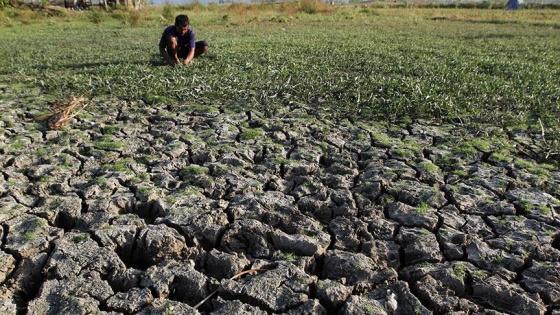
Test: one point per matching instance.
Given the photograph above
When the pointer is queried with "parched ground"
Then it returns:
(143, 209)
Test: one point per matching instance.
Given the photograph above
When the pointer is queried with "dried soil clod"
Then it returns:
(62, 112)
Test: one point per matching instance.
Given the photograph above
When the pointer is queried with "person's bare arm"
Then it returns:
(189, 57)
(167, 58)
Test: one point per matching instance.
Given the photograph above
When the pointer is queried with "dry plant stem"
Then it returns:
(550, 154)
(242, 273)
(542, 131)
(62, 113)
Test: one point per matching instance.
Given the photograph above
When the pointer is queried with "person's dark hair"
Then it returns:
(182, 20)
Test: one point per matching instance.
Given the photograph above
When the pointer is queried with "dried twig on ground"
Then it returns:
(242, 273)
(63, 111)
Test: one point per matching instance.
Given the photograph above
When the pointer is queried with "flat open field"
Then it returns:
(370, 63)
(354, 160)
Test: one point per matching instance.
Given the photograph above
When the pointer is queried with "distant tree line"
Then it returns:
(139, 4)
(75, 4)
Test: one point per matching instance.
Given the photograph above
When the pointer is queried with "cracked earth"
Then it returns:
(141, 209)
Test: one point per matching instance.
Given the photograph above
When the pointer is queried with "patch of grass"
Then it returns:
(544, 209)
(526, 204)
(101, 181)
(97, 17)
(108, 143)
(465, 149)
(170, 199)
(122, 165)
(64, 160)
(429, 166)
(149, 158)
(110, 129)
(422, 208)
(502, 156)
(289, 256)
(482, 144)
(45, 179)
(541, 170)
(30, 235)
(524, 163)
(56, 203)
(191, 191)
(168, 12)
(425, 231)
(138, 17)
(383, 139)
(194, 170)
(80, 238)
(499, 259)
(281, 160)
(18, 145)
(40, 152)
(404, 152)
(152, 99)
(251, 133)
(144, 190)
(478, 273)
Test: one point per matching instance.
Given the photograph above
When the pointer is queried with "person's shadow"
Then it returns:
(155, 60)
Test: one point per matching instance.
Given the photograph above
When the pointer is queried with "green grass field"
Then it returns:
(471, 66)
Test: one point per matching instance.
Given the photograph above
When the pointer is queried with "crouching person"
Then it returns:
(179, 42)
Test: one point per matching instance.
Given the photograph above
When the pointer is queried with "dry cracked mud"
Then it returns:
(142, 209)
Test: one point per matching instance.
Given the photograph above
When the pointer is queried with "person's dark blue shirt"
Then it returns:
(187, 40)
